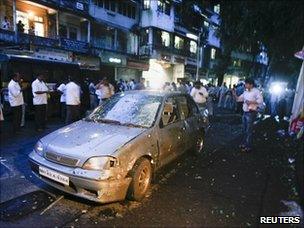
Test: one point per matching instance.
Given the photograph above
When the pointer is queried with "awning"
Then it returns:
(26, 58)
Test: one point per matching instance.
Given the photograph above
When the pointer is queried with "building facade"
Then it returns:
(96, 38)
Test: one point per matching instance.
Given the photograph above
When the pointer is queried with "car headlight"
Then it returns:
(100, 163)
(39, 148)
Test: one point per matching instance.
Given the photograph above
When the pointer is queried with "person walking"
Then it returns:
(62, 90)
(239, 91)
(93, 98)
(199, 94)
(73, 92)
(252, 99)
(40, 92)
(228, 99)
(222, 94)
(16, 101)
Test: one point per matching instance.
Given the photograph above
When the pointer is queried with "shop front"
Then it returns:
(166, 68)
(110, 64)
(55, 66)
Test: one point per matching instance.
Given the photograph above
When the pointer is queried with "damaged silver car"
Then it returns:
(114, 151)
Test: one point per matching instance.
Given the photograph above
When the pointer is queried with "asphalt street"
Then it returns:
(222, 187)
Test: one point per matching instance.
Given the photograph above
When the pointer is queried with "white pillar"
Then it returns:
(14, 16)
(115, 39)
(89, 31)
(57, 24)
(116, 76)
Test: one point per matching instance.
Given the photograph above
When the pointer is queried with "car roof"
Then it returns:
(161, 93)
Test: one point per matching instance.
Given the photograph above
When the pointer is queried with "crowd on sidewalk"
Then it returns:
(77, 98)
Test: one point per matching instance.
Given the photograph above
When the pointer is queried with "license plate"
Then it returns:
(54, 175)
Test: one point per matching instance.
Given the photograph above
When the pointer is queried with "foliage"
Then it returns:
(277, 24)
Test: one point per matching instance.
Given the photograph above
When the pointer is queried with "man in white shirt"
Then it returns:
(62, 90)
(199, 94)
(40, 92)
(73, 92)
(6, 24)
(252, 99)
(15, 98)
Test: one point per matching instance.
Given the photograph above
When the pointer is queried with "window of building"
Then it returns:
(73, 33)
(193, 46)
(24, 18)
(217, 8)
(146, 4)
(107, 4)
(164, 6)
(165, 38)
(144, 37)
(213, 53)
(178, 42)
(113, 6)
(124, 9)
(133, 12)
(63, 32)
(98, 3)
(120, 7)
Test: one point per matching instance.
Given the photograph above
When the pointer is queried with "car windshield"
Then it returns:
(137, 110)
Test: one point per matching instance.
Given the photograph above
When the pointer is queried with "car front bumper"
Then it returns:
(102, 191)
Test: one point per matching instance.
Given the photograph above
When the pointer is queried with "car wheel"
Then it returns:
(141, 179)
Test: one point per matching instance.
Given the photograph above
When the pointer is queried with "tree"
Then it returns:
(277, 24)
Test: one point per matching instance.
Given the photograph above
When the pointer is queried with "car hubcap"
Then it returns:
(200, 145)
(144, 179)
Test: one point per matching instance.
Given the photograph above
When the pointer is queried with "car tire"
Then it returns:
(141, 178)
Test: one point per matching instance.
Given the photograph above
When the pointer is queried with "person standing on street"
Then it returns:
(16, 101)
(199, 94)
(62, 90)
(104, 90)
(73, 93)
(40, 92)
(252, 99)
(140, 85)
(222, 94)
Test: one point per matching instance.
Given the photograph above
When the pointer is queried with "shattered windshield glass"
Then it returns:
(137, 110)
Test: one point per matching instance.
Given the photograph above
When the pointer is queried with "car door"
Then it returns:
(194, 123)
(170, 136)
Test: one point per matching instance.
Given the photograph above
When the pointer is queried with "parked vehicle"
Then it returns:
(114, 151)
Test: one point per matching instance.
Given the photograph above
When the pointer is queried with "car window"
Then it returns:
(170, 112)
(128, 109)
(183, 107)
(192, 107)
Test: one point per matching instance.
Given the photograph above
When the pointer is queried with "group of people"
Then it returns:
(73, 97)
(71, 92)
(245, 96)
(6, 25)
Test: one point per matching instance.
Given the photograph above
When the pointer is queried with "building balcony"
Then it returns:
(74, 45)
(23, 38)
(7, 36)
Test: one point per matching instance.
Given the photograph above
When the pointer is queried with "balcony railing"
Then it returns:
(7, 36)
(24, 38)
(74, 45)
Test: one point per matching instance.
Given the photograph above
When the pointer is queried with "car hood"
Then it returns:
(84, 139)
